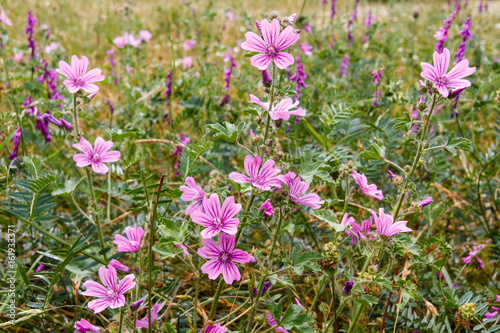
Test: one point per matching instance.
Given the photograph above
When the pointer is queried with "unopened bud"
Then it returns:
(397, 180)
(267, 80)
(407, 169)
(424, 89)
(274, 15)
(422, 106)
(278, 123)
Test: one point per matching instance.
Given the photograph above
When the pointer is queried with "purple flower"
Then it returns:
(297, 188)
(466, 35)
(222, 257)
(144, 322)
(306, 49)
(112, 62)
(265, 287)
(267, 207)
(353, 18)
(133, 241)
(67, 126)
(168, 92)
(96, 156)
(217, 328)
(39, 268)
(442, 80)
(344, 65)
(227, 78)
(50, 118)
(270, 47)
(183, 248)
(334, 10)
(187, 62)
(425, 202)
(348, 287)
(261, 177)
(272, 322)
(230, 15)
(368, 22)
(136, 304)
(391, 174)
(497, 296)
(111, 294)
(78, 77)
(267, 80)
(4, 19)
(189, 44)
(16, 139)
(126, 39)
(217, 219)
(442, 34)
(30, 31)
(145, 35)
(352, 229)
(83, 326)
(370, 190)
(18, 57)
(489, 315)
(119, 266)
(192, 192)
(283, 110)
(386, 226)
(299, 78)
(377, 75)
(474, 255)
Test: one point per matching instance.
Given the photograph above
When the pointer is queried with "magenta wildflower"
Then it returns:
(168, 92)
(282, 110)
(217, 219)
(126, 39)
(194, 193)
(96, 156)
(136, 304)
(353, 229)
(377, 76)
(132, 243)
(187, 62)
(391, 174)
(497, 296)
(217, 328)
(118, 265)
(61, 123)
(368, 23)
(189, 44)
(490, 315)
(144, 322)
(227, 77)
(16, 139)
(442, 80)
(261, 177)
(272, 322)
(18, 57)
(370, 190)
(78, 77)
(4, 19)
(39, 268)
(267, 207)
(183, 248)
(466, 35)
(426, 201)
(348, 287)
(352, 18)
(111, 294)
(386, 226)
(112, 62)
(230, 15)
(306, 49)
(442, 34)
(334, 10)
(145, 35)
(50, 76)
(474, 255)
(222, 257)
(30, 31)
(267, 79)
(299, 78)
(344, 65)
(270, 47)
(83, 326)
(297, 188)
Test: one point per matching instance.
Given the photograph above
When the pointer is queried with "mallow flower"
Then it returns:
(442, 80)
(111, 294)
(272, 322)
(119, 266)
(96, 156)
(222, 258)
(297, 189)
(144, 322)
(83, 326)
(132, 243)
(217, 219)
(386, 226)
(282, 110)
(370, 190)
(353, 228)
(217, 328)
(267, 207)
(261, 177)
(78, 77)
(270, 45)
(194, 193)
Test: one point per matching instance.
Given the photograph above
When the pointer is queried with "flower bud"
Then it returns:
(422, 106)
(421, 161)
(274, 15)
(67, 126)
(259, 120)
(424, 89)
(52, 119)
(467, 311)
(348, 287)
(269, 142)
(407, 169)
(278, 123)
(267, 79)
(397, 180)
(391, 174)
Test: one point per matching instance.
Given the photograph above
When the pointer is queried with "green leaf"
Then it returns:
(376, 152)
(290, 316)
(230, 133)
(68, 187)
(250, 54)
(169, 328)
(405, 122)
(164, 251)
(329, 217)
(116, 134)
(310, 169)
(452, 144)
(174, 230)
(276, 310)
(301, 260)
(367, 300)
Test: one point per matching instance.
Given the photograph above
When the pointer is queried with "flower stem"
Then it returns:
(271, 102)
(95, 215)
(356, 317)
(216, 299)
(75, 115)
(120, 329)
(321, 284)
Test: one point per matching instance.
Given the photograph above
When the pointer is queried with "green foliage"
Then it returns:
(229, 133)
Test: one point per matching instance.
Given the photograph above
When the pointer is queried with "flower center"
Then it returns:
(112, 294)
(95, 158)
(441, 80)
(134, 244)
(79, 81)
(224, 256)
(271, 50)
(218, 222)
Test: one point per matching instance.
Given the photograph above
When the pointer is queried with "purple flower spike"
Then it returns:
(348, 287)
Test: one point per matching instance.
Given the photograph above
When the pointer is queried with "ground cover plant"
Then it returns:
(202, 166)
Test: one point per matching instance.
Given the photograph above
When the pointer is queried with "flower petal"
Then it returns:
(240, 256)
(283, 60)
(99, 167)
(230, 272)
(270, 31)
(261, 61)
(286, 39)
(253, 43)
(126, 284)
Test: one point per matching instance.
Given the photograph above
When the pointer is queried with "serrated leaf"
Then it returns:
(310, 169)
(376, 152)
(453, 143)
(229, 133)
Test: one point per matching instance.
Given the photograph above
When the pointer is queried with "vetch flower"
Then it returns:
(352, 229)
(30, 28)
(144, 322)
(425, 202)
(217, 219)
(442, 34)
(386, 226)
(283, 110)
(272, 322)
(132, 243)
(344, 65)
(111, 294)
(78, 77)
(442, 80)
(118, 265)
(194, 193)
(96, 156)
(16, 139)
(270, 46)
(222, 257)
(267, 207)
(261, 177)
(474, 254)
(299, 77)
(83, 326)
(489, 315)
(296, 190)
(217, 328)
(370, 190)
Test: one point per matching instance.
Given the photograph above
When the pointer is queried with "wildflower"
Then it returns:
(344, 65)
(187, 62)
(267, 80)
(51, 47)
(490, 315)
(4, 19)
(230, 15)
(133, 241)
(352, 18)
(366, 226)
(217, 219)
(217, 328)
(307, 27)
(281, 110)
(442, 34)
(30, 31)
(348, 287)
(442, 80)
(126, 39)
(270, 47)
(112, 62)
(261, 177)
(267, 207)
(334, 10)
(192, 192)
(391, 174)
(466, 35)
(50, 76)
(39, 268)
(497, 298)
(265, 287)
(78, 77)
(144, 322)
(368, 23)
(111, 294)
(183, 248)
(386, 226)
(297, 188)
(41, 125)
(136, 304)
(119, 266)
(272, 322)
(189, 44)
(299, 78)
(222, 257)
(18, 57)
(370, 190)
(426, 201)
(377, 75)
(145, 35)
(352, 229)
(474, 254)
(83, 326)
(16, 139)
(96, 156)
(227, 78)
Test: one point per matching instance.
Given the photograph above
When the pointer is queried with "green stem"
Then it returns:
(95, 215)
(321, 284)
(271, 102)
(216, 299)
(243, 220)
(75, 115)
(356, 317)
(120, 329)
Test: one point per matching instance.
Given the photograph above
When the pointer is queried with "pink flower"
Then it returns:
(18, 57)
(192, 192)
(497, 298)
(386, 226)
(51, 47)
(370, 190)
(84, 326)
(187, 62)
(306, 48)
(126, 39)
(4, 19)
(426, 201)
(189, 44)
(216, 219)
(474, 254)
(129, 69)
(183, 248)
(269, 48)
(352, 229)
(111, 294)
(267, 207)
(78, 77)
(145, 35)
(281, 110)
(118, 265)
(230, 15)
(144, 322)
(96, 156)
(442, 80)
(221, 257)
(272, 322)
(262, 178)
(297, 188)
(490, 315)
(133, 241)
(217, 328)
